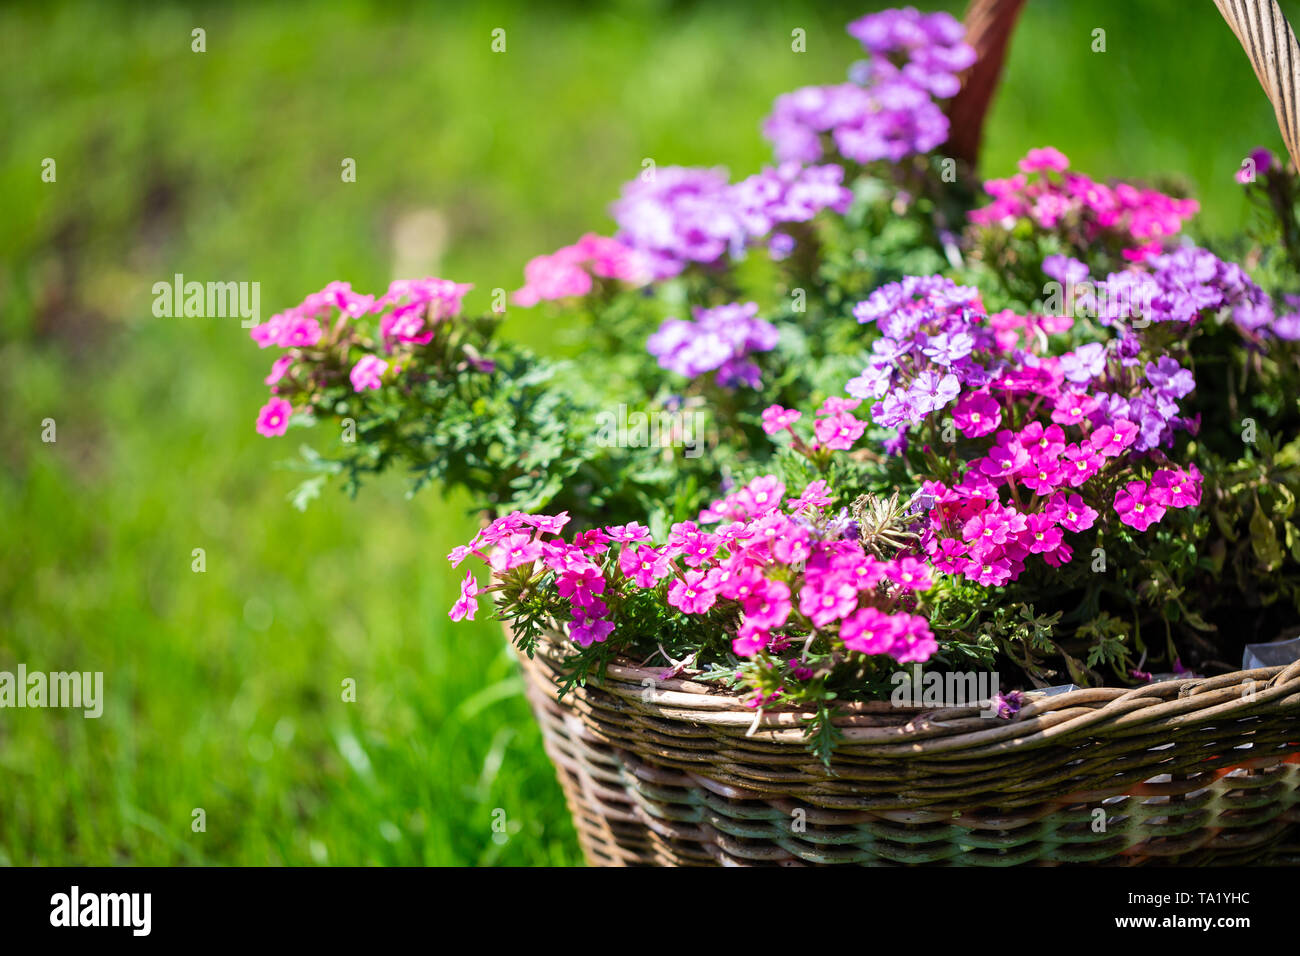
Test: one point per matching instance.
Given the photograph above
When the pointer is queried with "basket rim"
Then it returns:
(884, 725)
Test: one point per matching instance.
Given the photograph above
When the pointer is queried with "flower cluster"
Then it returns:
(1054, 486)
(772, 572)
(1185, 286)
(326, 324)
(1057, 200)
(677, 215)
(567, 272)
(929, 49)
(888, 111)
(930, 333)
(720, 338)
(1083, 421)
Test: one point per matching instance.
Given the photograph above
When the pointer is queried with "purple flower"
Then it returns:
(720, 338)
(680, 216)
(1085, 363)
(1065, 269)
(931, 391)
(930, 46)
(1169, 378)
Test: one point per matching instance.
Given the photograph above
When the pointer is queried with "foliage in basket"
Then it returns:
(851, 412)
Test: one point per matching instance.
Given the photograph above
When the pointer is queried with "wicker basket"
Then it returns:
(1184, 772)
(1198, 771)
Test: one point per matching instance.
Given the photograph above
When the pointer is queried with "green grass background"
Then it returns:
(223, 688)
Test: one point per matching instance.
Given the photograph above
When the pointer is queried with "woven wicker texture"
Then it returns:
(1187, 772)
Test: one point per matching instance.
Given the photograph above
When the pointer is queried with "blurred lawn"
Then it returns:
(223, 688)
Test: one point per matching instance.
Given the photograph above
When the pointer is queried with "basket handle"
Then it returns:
(1270, 44)
(1259, 25)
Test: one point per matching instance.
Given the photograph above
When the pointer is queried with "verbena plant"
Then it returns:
(847, 413)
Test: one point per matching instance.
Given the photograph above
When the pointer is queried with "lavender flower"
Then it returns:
(682, 215)
(719, 339)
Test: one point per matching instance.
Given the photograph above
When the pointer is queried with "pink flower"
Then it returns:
(1042, 475)
(1135, 507)
(588, 630)
(836, 406)
(976, 414)
(466, 606)
(1070, 512)
(581, 587)
(273, 418)
(768, 607)
(913, 640)
(1175, 488)
(1081, 463)
(366, 373)
(869, 631)
(1072, 408)
(690, 596)
(991, 571)
(839, 431)
(1043, 160)
(761, 495)
(828, 600)
(547, 524)
(516, 550)
(750, 640)
(1040, 441)
(1042, 535)
(814, 496)
(1005, 459)
(776, 418)
(628, 532)
(459, 553)
(909, 574)
(278, 368)
(644, 565)
(1110, 440)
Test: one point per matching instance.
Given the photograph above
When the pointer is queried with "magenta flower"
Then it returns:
(828, 600)
(1044, 159)
(278, 368)
(1174, 488)
(516, 550)
(628, 532)
(913, 640)
(273, 418)
(1081, 463)
(768, 607)
(776, 418)
(869, 631)
(547, 524)
(1109, 441)
(976, 414)
(589, 630)
(467, 604)
(691, 596)
(366, 373)
(839, 431)
(909, 574)
(1070, 512)
(1042, 535)
(813, 497)
(1135, 507)
(750, 639)
(644, 565)
(581, 586)
(761, 495)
